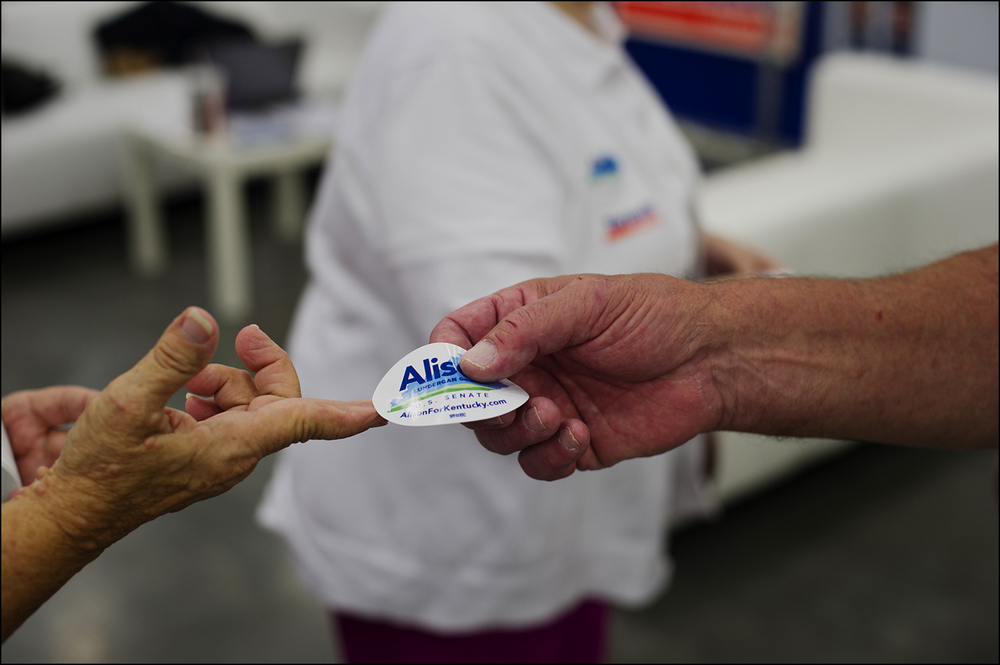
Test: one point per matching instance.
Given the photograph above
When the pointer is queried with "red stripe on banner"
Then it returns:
(695, 13)
(744, 27)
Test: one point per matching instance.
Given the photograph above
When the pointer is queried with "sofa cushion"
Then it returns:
(56, 40)
(63, 159)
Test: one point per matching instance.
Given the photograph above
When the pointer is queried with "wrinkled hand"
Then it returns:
(34, 419)
(725, 257)
(615, 366)
(129, 459)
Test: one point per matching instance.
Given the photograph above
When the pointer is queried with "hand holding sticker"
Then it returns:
(427, 387)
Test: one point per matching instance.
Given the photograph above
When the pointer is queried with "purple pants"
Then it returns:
(577, 636)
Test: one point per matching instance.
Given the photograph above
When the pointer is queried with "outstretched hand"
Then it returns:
(129, 458)
(615, 367)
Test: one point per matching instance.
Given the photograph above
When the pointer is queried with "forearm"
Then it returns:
(44, 545)
(908, 359)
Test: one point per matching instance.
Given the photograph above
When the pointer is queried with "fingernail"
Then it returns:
(482, 354)
(568, 441)
(196, 327)
(189, 396)
(533, 420)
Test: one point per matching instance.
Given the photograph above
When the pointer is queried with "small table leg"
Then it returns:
(147, 239)
(229, 247)
(289, 205)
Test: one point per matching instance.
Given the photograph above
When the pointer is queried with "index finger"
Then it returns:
(284, 422)
(570, 312)
(469, 324)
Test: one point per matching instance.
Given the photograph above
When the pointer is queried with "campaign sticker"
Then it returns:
(426, 387)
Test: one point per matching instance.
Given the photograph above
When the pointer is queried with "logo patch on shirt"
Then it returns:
(604, 167)
(625, 225)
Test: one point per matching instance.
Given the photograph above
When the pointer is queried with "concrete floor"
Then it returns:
(881, 555)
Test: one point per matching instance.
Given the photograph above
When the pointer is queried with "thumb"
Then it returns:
(183, 350)
(561, 319)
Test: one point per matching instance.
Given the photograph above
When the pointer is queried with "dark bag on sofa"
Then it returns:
(23, 90)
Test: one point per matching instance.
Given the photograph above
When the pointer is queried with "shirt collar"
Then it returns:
(586, 58)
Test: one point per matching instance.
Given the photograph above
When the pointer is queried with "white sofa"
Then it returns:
(900, 168)
(62, 160)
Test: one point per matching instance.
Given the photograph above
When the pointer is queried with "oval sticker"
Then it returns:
(426, 387)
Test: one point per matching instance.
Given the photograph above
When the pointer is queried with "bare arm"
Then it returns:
(909, 359)
(634, 365)
(40, 552)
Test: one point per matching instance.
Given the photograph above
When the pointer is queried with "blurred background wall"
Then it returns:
(846, 138)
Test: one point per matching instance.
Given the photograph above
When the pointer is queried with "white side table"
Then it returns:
(223, 167)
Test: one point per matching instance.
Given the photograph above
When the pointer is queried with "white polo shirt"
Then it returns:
(480, 145)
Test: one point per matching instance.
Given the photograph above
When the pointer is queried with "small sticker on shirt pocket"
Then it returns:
(603, 169)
